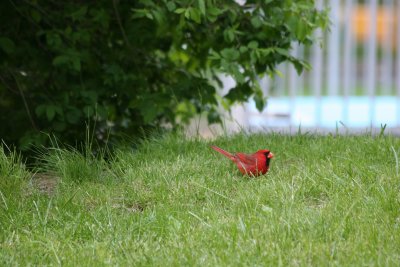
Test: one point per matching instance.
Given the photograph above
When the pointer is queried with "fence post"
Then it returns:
(370, 63)
(348, 51)
(334, 49)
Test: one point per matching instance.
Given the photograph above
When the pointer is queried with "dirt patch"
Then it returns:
(46, 183)
(130, 207)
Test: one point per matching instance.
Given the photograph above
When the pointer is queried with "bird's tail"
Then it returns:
(223, 152)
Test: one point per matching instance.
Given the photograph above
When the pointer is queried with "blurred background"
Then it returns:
(354, 83)
(124, 69)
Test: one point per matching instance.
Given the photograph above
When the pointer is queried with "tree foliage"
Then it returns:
(129, 65)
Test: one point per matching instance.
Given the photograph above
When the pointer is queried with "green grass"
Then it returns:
(327, 201)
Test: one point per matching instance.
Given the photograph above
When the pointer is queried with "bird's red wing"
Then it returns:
(246, 158)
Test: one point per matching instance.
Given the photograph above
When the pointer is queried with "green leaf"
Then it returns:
(213, 117)
(50, 112)
(300, 65)
(239, 93)
(54, 40)
(40, 110)
(79, 14)
(212, 18)
(232, 14)
(259, 98)
(283, 52)
(139, 13)
(101, 17)
(76, 63)
(297, 27)
(260, 103)
(7, 45)
(91, 96)
(59, 110)
(253, 56)
(239, 77)
(149, 113)
(202, 7)
(36, 16)
(88, 111)
(279, 73)
(171, 6)
(149, 15)
(187, 13)
(301, 30)
(230, 54)
(73, 61)
(101, 111)
(195, 15)
(73, 115)
(265, 51)
(185, 111)
(214, 11)
(180, 10)
(243, 49)
(229, 35)
(80, 36)
(306, 65)
(256, 21)
(253, 45)
(214, 55)
(61, 60)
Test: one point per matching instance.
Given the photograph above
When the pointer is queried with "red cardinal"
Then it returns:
(251, 164)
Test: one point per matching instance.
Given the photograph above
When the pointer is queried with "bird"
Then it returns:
(249, 164)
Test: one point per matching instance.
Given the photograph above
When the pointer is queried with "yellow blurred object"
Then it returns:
(386, 22)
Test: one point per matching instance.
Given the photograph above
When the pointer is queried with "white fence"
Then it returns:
(355, 80)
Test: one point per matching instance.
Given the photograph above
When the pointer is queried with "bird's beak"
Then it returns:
(270, 155)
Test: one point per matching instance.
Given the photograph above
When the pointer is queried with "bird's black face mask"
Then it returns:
(268, 158)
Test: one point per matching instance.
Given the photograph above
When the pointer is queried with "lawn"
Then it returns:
(326, 201)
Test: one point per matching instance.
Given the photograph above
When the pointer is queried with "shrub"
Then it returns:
(134, 65)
